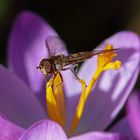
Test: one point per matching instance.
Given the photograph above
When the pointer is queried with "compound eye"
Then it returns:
(47, 66)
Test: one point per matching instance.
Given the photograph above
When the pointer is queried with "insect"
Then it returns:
(54, 64)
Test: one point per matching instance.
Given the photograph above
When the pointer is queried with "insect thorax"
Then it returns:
(57, 62)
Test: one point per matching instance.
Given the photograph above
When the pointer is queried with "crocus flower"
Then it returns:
(22, 86)
(133, 113)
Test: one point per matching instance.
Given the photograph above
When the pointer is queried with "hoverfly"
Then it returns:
(61, 62)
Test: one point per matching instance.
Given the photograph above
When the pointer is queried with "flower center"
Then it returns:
(55, 95)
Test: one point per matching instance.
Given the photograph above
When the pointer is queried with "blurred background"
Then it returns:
(81, 24)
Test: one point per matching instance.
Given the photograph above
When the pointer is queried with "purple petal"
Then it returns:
(113, 87)
(27, 47)
(133, 109)
(123, 128)
(100, 136)
(9, 131)
(44, 130)
(17, 101)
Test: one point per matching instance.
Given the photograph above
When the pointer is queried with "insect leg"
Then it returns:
(73, 71)
(71, 68)
(77, 78)
(76, 68)
(66, 68)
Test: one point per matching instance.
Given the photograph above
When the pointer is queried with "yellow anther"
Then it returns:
(59, 95)
(55, 100)
(113, 65)
(105, 58)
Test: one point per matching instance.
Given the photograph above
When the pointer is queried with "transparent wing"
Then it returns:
(96, 52)
(55, 46)
(82, 56)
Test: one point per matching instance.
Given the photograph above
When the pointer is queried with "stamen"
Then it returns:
(55, 100)
(103, 63)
